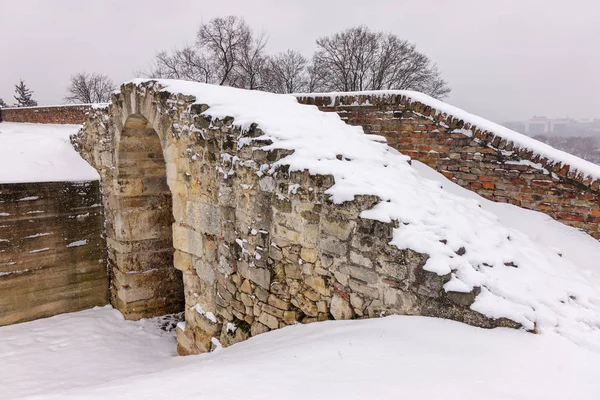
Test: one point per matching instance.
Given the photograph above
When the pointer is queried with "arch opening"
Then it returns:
(144, 281)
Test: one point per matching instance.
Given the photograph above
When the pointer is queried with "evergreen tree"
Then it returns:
(23, 95)
(2, 103)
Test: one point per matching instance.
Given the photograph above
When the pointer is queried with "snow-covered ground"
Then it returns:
(78, 349)
(95, 354)
(41, 153)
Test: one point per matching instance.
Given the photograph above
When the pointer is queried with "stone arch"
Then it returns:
(140, 240)
(259, 246)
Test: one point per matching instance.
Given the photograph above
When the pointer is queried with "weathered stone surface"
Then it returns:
(340, 308)
(52, 254)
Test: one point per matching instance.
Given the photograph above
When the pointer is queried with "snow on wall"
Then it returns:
(585, 170)
(481, 161)
(519, 279)
(41, 153)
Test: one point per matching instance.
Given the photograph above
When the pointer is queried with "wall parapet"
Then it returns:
(59, 114)
(494, 161)
(489, 133)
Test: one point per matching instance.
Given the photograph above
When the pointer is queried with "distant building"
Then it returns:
(537, 125)
(540, 125)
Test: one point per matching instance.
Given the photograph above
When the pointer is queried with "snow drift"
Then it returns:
(95, 354)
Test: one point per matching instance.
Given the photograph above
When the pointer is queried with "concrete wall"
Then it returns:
(52, 253)
(481, 161)
(67, 114)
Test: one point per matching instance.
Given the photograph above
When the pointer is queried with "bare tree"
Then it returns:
(187, 64)
(224, 40)
(287, 73)
(314, 81)
(360, 59)
(89, 88)
(226, 52)
(250, 69)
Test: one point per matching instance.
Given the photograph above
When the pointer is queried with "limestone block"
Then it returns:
(188, 240)
(356, 301)
(309, 254)
(257, 328)
(363, 274)
(261, 293)
(318, 284)
(290, 317)
(364, 289)
(276, 312)
(259, 276)
(278, 303)
(268, 320)
(183, 261)
(306, 306)
(361, 260)
(339, 228)
(340, 308)
(204, 217)
(330, 244)
(247, 300)
(204, 269)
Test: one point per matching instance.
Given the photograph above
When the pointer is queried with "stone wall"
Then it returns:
(258, 247)
(476, 159)
(67, 114)
(52, 254)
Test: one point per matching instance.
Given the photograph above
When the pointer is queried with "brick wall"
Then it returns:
(68, 114)
(479, 160)
(52, 253)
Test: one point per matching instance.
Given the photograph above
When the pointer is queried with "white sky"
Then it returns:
(504, 59)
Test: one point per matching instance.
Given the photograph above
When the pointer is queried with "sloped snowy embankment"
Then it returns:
(520, 279)
(41, 153)
(95, 354)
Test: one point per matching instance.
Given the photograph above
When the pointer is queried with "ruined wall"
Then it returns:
(67, 114)
(258, 247)
(479, 160)
(52, 254)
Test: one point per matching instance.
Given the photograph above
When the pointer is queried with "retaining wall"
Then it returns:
(52, 253)
(67, 114)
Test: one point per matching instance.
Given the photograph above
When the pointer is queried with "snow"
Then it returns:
(78, 243)
(521, 279)
(588, 169)
(77, 349)
(95, 354)
(574, 245)
(209, 315)
(40, 153)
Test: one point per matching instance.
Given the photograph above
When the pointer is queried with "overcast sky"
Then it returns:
(504, 59)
